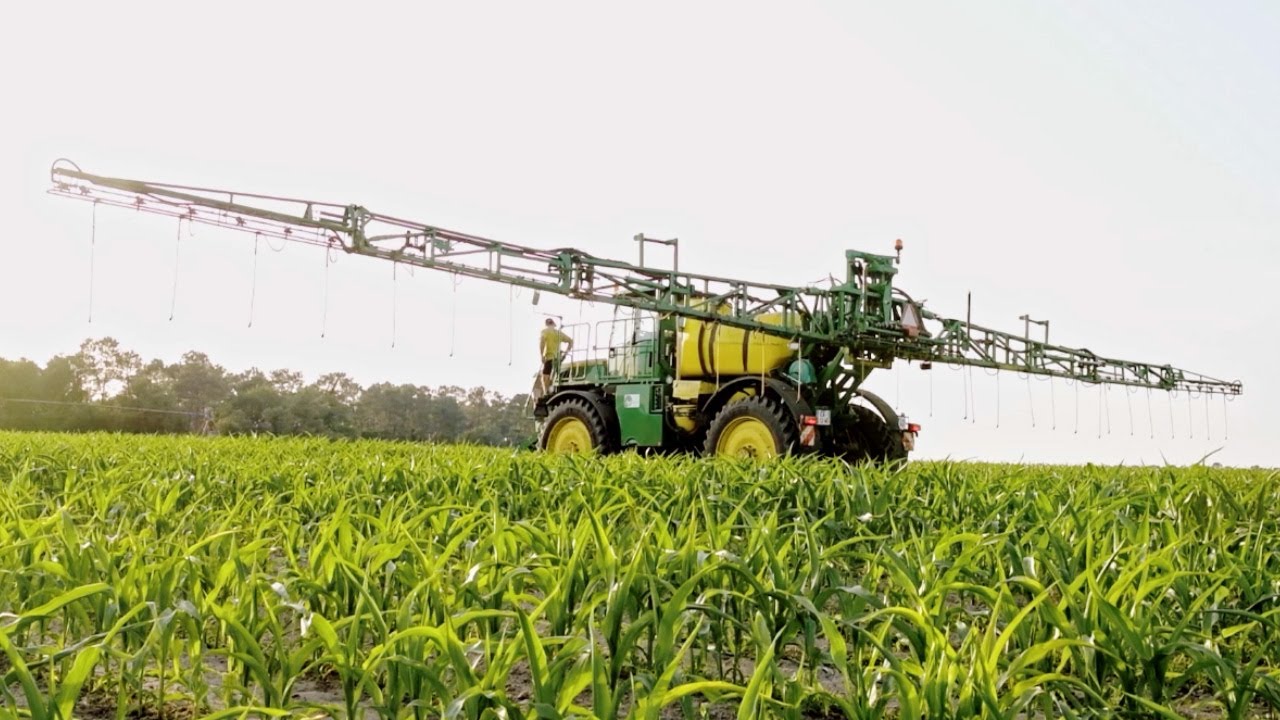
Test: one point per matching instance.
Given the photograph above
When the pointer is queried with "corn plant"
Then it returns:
(237, 577)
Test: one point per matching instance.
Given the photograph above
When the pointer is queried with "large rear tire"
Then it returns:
(757, 427)
(864, 436)
(574, 426)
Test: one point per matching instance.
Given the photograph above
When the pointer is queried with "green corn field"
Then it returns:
(245, 577)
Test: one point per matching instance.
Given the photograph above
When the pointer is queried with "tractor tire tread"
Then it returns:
(602, 439)
(878, 442)
(764, 408)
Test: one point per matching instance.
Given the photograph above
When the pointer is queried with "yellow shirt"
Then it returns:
(549, 343)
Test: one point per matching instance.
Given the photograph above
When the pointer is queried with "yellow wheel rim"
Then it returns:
(747, 437)
(569, 435)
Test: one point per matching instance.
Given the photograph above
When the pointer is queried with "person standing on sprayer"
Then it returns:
(549, 347)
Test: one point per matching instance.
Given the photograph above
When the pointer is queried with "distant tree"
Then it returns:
(59, 381)
(512, 424)
(18, 378)
(392, 411)
(255, 406)
(104, 368)
(105, 387)
(478, 414)
(286, 381)
(312, 411)
(198, 383)
(151, 387)
(447, 418)
(450, 391)
(342, 387)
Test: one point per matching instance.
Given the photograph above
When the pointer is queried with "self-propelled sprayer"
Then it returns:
(696, 362)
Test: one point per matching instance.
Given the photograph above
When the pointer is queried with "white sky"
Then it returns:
(1113, 167)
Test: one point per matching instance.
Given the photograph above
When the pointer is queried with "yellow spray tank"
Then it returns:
(708, 350)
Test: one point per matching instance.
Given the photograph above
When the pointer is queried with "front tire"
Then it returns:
(757, 427)
(574, 427)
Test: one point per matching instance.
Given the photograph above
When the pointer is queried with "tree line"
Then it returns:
(106, 387)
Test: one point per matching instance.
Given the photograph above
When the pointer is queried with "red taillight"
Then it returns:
(913, 428)
(808, 419)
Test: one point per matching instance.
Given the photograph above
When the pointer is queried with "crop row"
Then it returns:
(270, 577)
